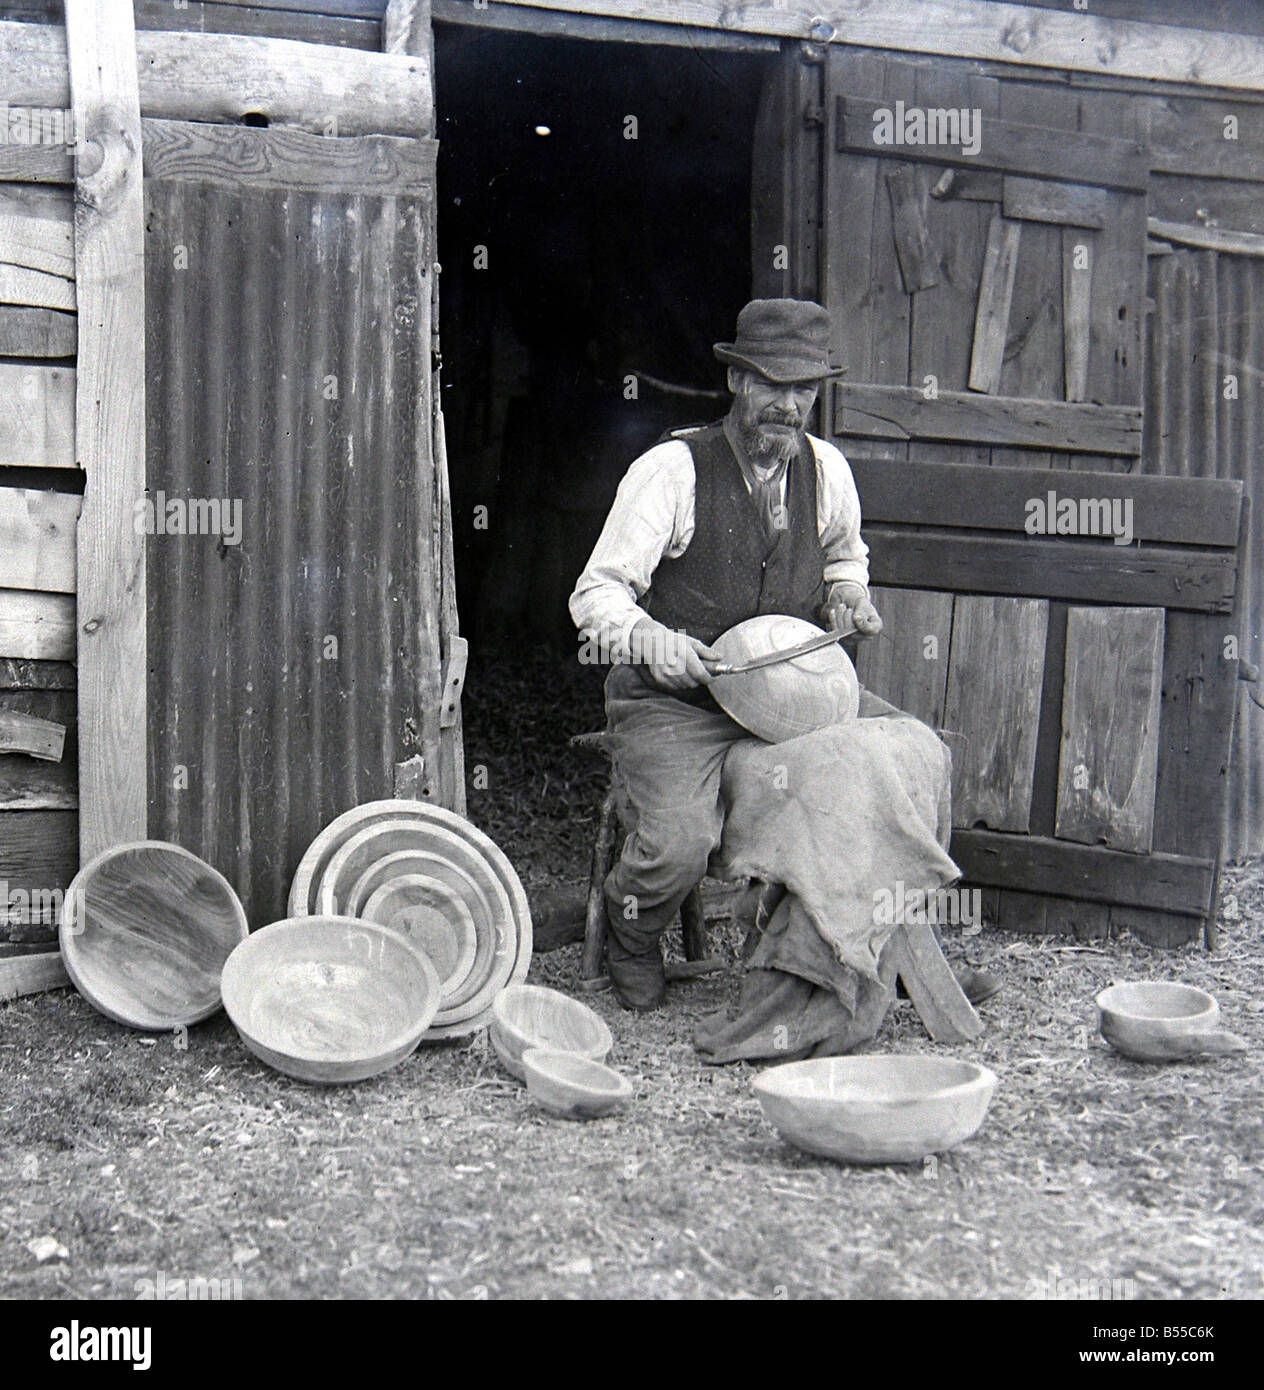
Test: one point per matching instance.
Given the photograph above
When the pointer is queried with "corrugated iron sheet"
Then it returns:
(284, 371)
(1207, 325)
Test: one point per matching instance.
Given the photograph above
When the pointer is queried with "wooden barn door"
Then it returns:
(988, 301)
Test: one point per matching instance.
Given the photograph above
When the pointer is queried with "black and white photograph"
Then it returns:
(630, 645)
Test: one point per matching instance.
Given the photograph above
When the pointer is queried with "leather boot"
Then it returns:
(638, 979)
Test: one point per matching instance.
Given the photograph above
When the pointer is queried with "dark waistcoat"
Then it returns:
(730, 571)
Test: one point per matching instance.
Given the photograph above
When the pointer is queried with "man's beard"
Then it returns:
(769, 447)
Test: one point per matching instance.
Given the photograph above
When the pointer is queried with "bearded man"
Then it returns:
(747, 516)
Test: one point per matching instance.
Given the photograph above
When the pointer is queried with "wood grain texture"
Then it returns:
(943, 319)
(145, 932)
(110, 424)
(38, 243)
(33, 974)
(39, 850)
(37, 539)
(37, 415)
(1183, 511)
(913, 245)
(907, 664)
(948, 1015)
(32, 784)
(37, 738)
(871, 411)
(1077, 299)
(998, 646)
(1036, 864)
(1110, 727)
(996, 293)
(1209, 238)
(37, 332)
(1001, 33)
(52, 164)
(1201, 581)
(21, 285)
(208, 16)
(226, 77)
(229, 157)
(37, 627)
(1047, 200)
(1189, 137)
(1005, 145)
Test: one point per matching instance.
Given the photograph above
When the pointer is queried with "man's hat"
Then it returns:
(781, 339)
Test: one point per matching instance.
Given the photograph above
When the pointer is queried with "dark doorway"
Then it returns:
(610, 185)
(606, 258)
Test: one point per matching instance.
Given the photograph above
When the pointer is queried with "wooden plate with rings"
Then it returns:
(434, 918)
(438, 869)
(495, 943)
(145, 929)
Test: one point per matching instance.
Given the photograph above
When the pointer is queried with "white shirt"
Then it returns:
(653, 516)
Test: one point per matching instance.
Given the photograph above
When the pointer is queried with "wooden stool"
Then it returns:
(606, 846)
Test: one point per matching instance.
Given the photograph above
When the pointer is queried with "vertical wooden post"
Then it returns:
(109, 422)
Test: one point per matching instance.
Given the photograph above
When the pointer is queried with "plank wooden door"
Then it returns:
(981, 247)
(295, 652)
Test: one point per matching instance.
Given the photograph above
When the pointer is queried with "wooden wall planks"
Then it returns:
(907, 664)
(1108, 761)
(996, 293)
(37, 627)
(37, 539)
(37, 415)
(998, 647)
(34, 332)
(110, 424)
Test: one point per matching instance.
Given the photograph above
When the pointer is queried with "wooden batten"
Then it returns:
(1000, 33)
(229, 77)
(110, 425)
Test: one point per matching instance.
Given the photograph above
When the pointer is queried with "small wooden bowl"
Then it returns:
(1144, 1019)
(876, 1109)
(145, 931)
(574, 1087)
(527, 1016)
(330, 999)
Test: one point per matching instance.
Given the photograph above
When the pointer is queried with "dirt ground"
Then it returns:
(442, 1180)
(142, 1160)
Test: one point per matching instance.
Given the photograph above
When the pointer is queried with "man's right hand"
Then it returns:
(674, 660)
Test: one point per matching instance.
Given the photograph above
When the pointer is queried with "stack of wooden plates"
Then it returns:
(430, 875)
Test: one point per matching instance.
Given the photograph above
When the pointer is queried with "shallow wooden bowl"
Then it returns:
(145, 930)
(574, 1087)
(330, 999)
(1146, 1020)
(433, 918)
(876, 1109)
(527, 1016)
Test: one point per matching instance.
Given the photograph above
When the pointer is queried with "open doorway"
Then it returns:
(594, 231)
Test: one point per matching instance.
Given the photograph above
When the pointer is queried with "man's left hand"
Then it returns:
(849, 606)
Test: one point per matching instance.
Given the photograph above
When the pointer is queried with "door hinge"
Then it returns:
(813, 115)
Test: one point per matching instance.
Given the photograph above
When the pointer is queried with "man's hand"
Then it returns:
(849, 606)
(675, 660)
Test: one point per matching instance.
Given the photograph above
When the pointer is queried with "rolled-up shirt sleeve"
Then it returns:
(838, 518)
(652, 516)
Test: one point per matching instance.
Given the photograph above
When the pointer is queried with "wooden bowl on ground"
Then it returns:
(530, 1016)
(574, 1087)
(330, 999)
(876, 1109)
(145, 931)
(1160, 1020)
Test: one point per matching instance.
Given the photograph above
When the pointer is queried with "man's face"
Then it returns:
(771, 416)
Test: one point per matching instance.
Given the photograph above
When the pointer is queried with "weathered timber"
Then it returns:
(904, 412)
